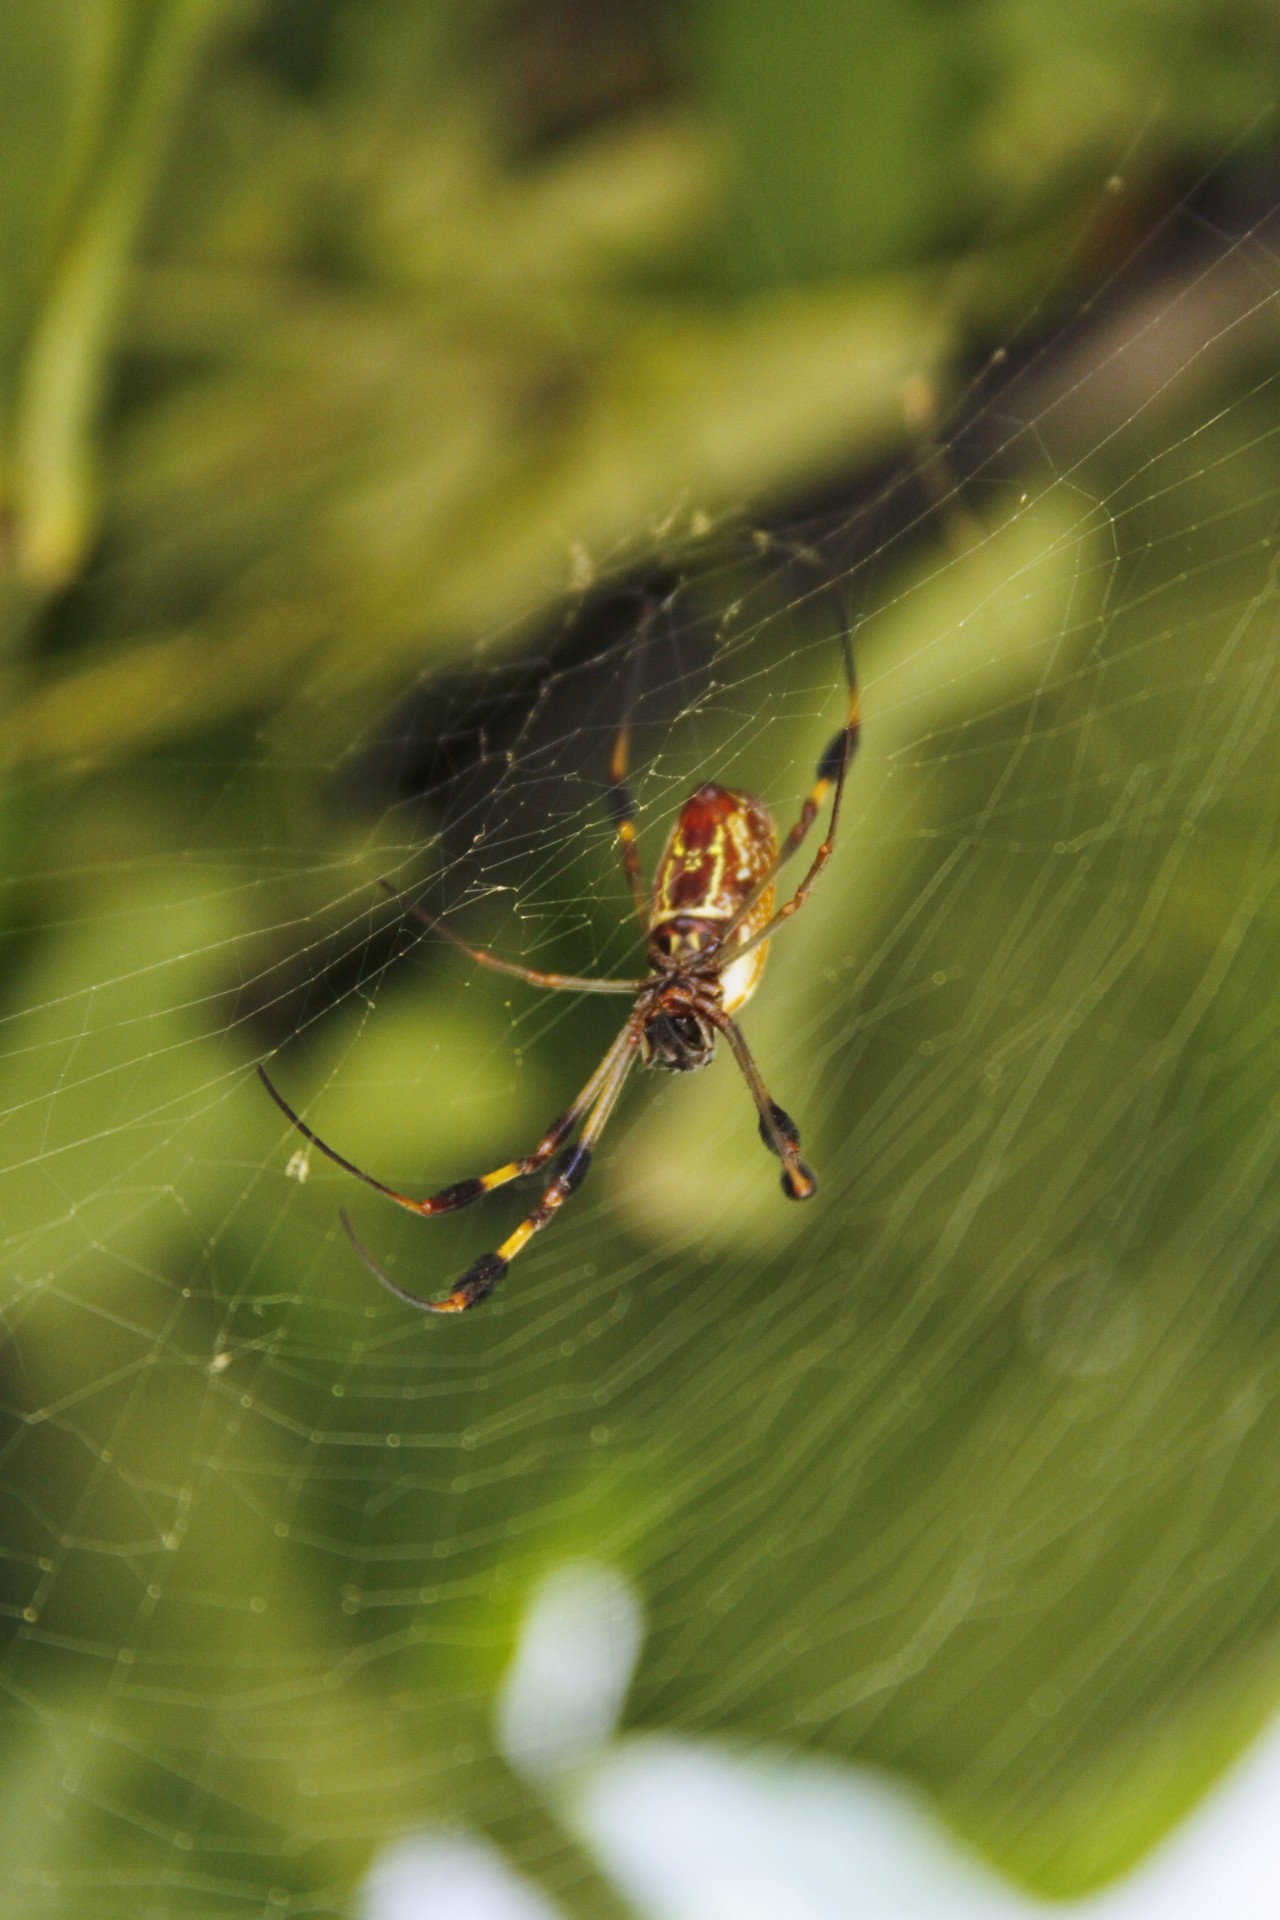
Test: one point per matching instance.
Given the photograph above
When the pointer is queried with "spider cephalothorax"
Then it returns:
(707, 920)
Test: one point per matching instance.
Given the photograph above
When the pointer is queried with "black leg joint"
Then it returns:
(784, 1123)
(572, 1169)
(833, 759)
(619, 801)
(461, 1194)
(480, 1280)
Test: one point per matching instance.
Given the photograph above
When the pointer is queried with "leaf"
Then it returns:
(60, 387)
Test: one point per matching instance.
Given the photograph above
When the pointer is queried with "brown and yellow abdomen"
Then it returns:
(721, 847)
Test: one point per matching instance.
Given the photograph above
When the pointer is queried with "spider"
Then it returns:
(707, 922)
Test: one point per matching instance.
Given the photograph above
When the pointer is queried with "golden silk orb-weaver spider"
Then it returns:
(707, 919)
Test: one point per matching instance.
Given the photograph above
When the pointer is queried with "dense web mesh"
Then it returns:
(965, 1467)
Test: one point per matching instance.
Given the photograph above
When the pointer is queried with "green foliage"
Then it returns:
(329, 361)
(873, 136)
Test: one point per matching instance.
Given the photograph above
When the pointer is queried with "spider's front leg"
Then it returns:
(832, 772)
(619, 799)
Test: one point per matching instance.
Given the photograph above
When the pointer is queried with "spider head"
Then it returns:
(677, 1041)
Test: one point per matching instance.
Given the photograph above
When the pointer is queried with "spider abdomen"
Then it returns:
(720, 849)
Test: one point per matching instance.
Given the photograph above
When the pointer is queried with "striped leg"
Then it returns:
(484, 1274)
(622, 811)
(833, 769)
(462, 1192)
(619, 798)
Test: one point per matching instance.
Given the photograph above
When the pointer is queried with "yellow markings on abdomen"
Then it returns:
(721, 847)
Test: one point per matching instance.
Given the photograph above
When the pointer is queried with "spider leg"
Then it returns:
(462, 1192)
(483, 1275)
(833, 769)
(619, 798)
(777, 1129)
(562, 982)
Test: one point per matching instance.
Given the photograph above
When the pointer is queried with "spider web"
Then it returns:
(964, 1469)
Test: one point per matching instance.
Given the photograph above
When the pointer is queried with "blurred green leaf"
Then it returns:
(684, 410)
(334, 361)
(124, 68)
(895, 132)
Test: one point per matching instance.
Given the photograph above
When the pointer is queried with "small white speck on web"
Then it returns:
(299, 1167)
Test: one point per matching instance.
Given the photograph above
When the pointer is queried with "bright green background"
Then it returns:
(342, 345)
